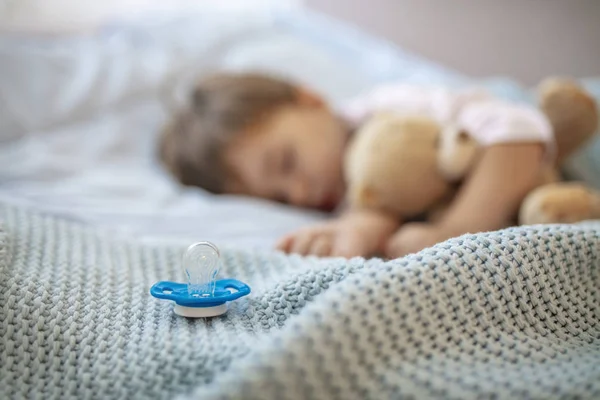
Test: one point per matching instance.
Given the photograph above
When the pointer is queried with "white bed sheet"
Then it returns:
(80, 116)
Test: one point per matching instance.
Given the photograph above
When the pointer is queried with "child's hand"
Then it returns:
(414, 237)
(356, 234)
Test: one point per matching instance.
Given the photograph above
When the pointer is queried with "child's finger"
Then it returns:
(285, 244)
(412, 238)
(348, 246)
(321, 246)
(395, 249)
(302, 242)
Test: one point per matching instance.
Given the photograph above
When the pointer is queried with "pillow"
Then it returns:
(85, 16)
(65, 16)
(585, 165)
(47, 80)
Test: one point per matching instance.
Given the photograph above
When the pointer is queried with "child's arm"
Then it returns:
(488, 200)
(492, 195)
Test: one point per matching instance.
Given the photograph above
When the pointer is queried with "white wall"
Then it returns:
(67, 16)
(524, 39)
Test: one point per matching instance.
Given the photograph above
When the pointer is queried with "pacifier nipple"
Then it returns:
(201, 265)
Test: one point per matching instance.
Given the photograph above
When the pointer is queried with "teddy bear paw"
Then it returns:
(560, 203)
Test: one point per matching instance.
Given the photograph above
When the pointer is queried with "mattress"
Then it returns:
(80, 114)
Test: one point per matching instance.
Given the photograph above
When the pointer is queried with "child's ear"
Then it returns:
(308, 98)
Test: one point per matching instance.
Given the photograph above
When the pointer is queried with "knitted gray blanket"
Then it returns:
(504, 315)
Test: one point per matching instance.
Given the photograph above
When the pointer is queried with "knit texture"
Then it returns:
(503, 315)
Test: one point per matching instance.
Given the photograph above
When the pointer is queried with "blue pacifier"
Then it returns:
(203, 295)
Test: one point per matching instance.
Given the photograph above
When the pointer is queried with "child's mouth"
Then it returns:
(329, 203)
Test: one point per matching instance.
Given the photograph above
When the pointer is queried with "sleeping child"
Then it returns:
(258, 135)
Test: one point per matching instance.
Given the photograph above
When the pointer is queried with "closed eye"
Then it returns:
(281, 199)
(288, 163)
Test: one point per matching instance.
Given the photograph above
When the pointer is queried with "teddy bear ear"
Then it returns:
(463, 136)
(456, 152)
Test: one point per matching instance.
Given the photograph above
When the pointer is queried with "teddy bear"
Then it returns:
(383, 160)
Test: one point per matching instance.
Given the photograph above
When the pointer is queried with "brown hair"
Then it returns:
(192, 143)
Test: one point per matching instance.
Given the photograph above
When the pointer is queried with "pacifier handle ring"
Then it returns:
(158, 290)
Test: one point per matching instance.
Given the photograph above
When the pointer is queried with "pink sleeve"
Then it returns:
(495, 121)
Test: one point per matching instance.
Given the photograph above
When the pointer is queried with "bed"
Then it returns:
(506, 314)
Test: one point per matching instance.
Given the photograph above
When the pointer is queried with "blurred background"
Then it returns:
(523, 39)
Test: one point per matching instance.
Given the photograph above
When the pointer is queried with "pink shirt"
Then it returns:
(488, 119)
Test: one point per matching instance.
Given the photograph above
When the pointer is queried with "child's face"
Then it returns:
(295, 157)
